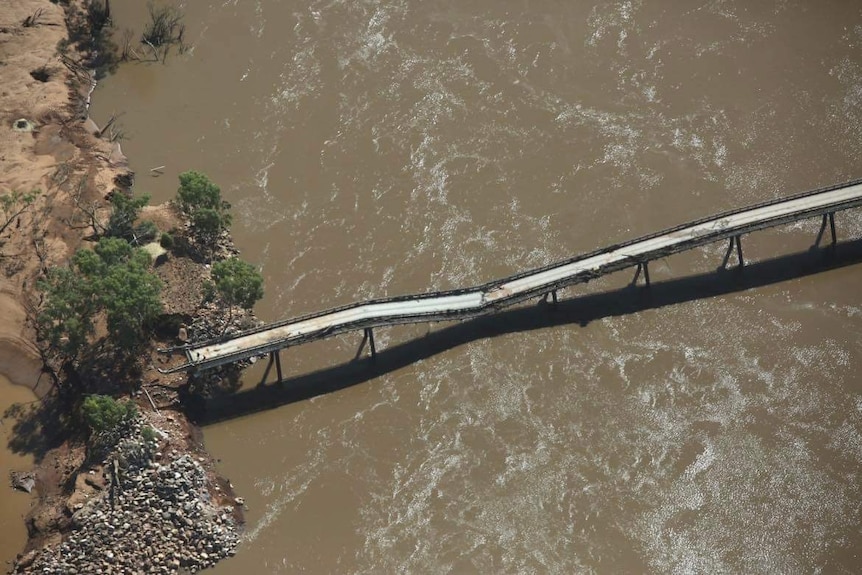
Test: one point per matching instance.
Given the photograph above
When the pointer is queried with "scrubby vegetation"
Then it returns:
(104, 413)
(13, 205)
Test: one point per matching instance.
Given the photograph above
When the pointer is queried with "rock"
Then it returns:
(23, 481)
(163, 520)
(239, 501)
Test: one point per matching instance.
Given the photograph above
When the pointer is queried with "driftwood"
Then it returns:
(151, 399)
(116, 488)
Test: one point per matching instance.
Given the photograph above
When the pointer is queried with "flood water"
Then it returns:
(14, 505)
(374, 148)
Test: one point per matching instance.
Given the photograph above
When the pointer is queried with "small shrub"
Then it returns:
(149, 435)
(104, 413)
(145, 232)
(41, 74)
(209, 291)
(166, 241)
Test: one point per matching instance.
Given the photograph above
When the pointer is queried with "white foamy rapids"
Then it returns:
(459, 144)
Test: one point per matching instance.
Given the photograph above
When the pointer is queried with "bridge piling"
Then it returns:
(266, 371)
(643, 267)
(277, 355)
(739, 250)
(369, 335)
(832, 227)
(821, 231)
(551, 294)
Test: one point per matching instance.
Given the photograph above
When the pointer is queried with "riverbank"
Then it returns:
(49, 144)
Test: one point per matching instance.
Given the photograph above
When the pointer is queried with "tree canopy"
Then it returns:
(200, 199)
(237, 282)
(113, 278)
(124, 213)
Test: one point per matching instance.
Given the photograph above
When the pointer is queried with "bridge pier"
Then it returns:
(739, 250)
(643, 267)
(553, 296)
(277, 355)
(734, 241)
(369, 335)
(274, 357)
(830, 218)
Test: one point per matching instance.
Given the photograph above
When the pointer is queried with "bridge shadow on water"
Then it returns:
(579, 310)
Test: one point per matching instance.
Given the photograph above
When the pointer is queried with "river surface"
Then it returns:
(14, 505)
(373, 148)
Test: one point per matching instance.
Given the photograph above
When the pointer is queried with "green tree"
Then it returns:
(200, 199)
(238, 283)
(103, 413)
(66, 318)
(113, 278)
(124, 213)
(130, 296)
(208, 224)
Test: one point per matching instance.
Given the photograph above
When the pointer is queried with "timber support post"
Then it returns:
(739, 250)
(552, 295)
(643, 267)
(369, 334)
(734, 241)
(277, 355)
(268, 367)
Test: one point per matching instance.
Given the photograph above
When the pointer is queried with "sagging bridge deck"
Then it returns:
(542, 282)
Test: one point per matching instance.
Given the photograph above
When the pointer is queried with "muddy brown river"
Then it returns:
(374, 148)
(14, 505)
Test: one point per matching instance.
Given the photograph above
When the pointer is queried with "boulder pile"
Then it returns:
(152, 517)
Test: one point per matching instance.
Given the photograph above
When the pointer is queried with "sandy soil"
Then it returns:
(56, 152)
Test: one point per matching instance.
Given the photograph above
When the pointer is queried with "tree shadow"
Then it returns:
(39, 426)
(44, 424)
(579, 310)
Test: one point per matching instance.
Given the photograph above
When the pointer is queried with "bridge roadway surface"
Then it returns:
(471, 302)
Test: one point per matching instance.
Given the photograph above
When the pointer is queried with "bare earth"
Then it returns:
(55, 157)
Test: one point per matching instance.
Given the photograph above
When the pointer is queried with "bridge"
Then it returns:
(543, 282)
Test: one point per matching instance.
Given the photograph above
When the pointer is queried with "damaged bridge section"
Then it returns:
(543, 282)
